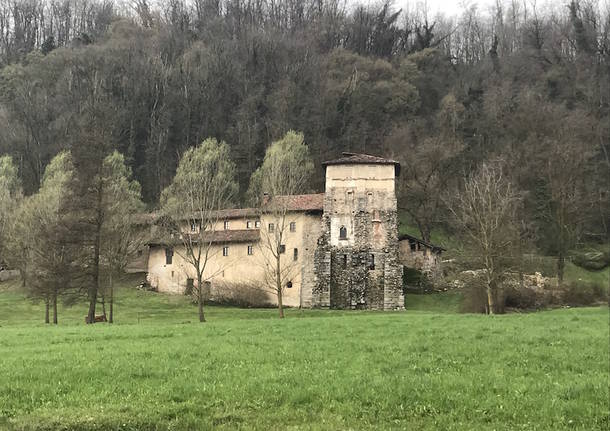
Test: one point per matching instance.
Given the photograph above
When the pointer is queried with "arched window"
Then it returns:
(342, 232)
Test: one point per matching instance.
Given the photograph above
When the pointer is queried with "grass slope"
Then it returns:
(245, 369)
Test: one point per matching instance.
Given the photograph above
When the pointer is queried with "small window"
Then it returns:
(250, 250)
(295, 254)
(372, 261)
(293, 226)
(413, 245)
(425, 251)
(342, 232)
(248, 224)
(172, 274)
(289, 285)
(257, 224)
(344, 261)
(140, 252)
(169, 254)
(193, 226)
(226, 224)
(271, 227)
(282, 249)
(225, 251)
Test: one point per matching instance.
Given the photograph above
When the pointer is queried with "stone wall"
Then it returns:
(360, 270)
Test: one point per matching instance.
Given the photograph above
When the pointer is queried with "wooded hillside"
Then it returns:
(527, 87)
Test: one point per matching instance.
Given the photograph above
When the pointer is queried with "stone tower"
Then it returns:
(356, 261)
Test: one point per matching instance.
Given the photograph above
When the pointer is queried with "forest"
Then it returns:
(520, 86)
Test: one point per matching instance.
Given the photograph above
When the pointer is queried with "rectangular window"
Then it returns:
(413, 245)
(248, 224)
(250, 250)
(169, 254)
(226, 224)
(193, 226)
(293, 226)
(344, 261)
(271, 227)
(282, 248)
(295, 254)
(372, 262)
(257, 224)
(225, 251)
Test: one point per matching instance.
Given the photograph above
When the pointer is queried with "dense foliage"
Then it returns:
(524, 84)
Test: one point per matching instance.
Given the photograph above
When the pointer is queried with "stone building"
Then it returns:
(357, 263)
(342, 248)
(421, 255)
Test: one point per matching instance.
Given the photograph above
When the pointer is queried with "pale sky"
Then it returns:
(447, 7)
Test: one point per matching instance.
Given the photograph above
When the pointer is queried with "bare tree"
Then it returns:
(204, 184)
(285, 172)
(486, 211)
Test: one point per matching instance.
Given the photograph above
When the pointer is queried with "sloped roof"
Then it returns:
(237, 213)
(406, 236)
(363, 159)
(217, 237)
(309, 202)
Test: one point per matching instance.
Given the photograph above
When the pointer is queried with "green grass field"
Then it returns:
(426, 368)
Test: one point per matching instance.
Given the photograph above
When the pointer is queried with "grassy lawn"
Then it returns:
(427, 368)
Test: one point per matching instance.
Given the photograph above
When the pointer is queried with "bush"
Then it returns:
(415, 281)
(579, 293)
(240, 295)
(474, 300)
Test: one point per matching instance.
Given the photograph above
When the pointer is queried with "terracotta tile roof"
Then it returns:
(217, 237)
(310, 202)
(237, 213)
(362, 159)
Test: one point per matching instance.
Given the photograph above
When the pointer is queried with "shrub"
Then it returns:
(474, 300)
(580, 293)
(240, 295)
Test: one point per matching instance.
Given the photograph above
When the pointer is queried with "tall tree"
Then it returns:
(203, 185)
(120, 238)
(485, 210)
(52, 261)
(10, 195)
(286, 171)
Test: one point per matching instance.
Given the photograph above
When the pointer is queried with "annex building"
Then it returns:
(340, 248)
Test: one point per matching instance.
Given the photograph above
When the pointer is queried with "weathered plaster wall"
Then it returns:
(240, 268)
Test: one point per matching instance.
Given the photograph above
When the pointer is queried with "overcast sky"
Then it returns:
(447, 7)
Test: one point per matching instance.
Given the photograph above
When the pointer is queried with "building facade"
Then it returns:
(341, 249)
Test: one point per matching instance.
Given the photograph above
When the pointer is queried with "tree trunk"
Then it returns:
(561, 263)
(491, 301)
(55, 308)
(94, 288)
(278, 286)
(200, 298)
(111, 318)
(46, 310)
(104, 305)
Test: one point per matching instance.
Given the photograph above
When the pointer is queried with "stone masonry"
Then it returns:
(356, 261)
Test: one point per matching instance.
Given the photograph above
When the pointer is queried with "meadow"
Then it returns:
(157, 368)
